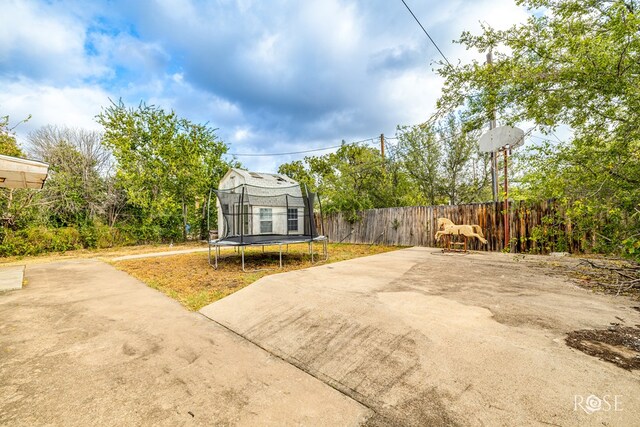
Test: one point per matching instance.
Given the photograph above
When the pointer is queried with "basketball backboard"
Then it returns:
(496, 139)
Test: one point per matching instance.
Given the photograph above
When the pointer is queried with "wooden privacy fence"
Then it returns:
(416, 225)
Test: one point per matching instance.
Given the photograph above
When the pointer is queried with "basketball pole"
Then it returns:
(505, 139)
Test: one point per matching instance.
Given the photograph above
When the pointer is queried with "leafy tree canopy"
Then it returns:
(353, 178)
(75, 189)
(573, 63)
(443, 163)
(165, 163)
(8, 144)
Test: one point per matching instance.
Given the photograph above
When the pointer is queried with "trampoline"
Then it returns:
(276, 213)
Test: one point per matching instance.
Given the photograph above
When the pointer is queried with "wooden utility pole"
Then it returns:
(382, 145)
(494, 167)
(506, 199)
(494, 156)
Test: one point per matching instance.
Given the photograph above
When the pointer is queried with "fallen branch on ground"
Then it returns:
(619, 275)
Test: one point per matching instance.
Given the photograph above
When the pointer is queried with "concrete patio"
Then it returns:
(85, 344)
(426, 338)
(411, 337)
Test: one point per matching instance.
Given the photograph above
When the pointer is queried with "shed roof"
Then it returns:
(261, 179)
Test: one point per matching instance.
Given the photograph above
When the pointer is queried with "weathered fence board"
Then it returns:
(416, 225)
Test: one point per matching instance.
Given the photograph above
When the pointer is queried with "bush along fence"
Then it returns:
(539, 227)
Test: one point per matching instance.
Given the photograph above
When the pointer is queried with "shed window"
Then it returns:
(266, 220)
(292, 219)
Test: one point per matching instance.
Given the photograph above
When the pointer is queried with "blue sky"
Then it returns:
(272, 76)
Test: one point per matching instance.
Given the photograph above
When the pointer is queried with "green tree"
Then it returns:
(573, 63)
(299, 172)
(465, 171)
(420, 152)
(352, 179)
(166, 165)
(8, 144)
(443, 163)
(75, 192)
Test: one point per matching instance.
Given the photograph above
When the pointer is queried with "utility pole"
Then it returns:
(494, 157)
(506, 199)
(382, 145)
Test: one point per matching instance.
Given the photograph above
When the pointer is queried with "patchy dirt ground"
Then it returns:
(617, 344)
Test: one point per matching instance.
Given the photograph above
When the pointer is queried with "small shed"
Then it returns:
(255, 203)
(22, 173)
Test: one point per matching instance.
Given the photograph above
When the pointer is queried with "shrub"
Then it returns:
(37, 240)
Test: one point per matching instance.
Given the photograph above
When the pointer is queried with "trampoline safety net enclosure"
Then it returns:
(279, 212)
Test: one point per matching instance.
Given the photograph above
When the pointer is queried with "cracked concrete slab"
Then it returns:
(425, 338)
(11, 278)
(86, 344)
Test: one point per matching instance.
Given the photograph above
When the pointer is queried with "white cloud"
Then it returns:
(241, 134)
(469, 16)
(139, 60)
(73, 106)
(332, 26)
(173, 92)
(410, 97)
(37, 41)
(273, 76)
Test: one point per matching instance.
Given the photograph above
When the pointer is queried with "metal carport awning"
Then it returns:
(22, 173)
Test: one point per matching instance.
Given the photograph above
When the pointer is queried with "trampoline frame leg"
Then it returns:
(241, 250)
(326, 249)
(311, 251)
(216, 255)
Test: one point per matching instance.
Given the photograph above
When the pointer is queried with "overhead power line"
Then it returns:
(425, 31)
(300, 152)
